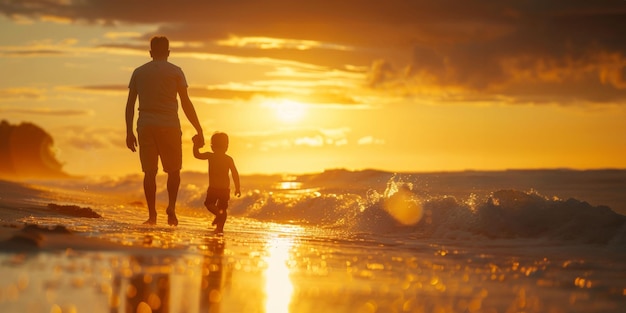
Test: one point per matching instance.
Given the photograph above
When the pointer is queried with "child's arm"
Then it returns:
(196, 148)
(235, 173)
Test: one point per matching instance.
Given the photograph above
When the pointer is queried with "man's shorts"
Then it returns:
(164, 142)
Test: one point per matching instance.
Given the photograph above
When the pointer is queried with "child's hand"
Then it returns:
(238, 193)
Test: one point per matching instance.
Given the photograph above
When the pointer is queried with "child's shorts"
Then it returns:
(217, 197)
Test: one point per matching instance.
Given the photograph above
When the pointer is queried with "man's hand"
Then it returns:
(198, 140)
(131, 142)
(238, 193)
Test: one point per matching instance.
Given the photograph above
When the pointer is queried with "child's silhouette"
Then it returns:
(220, 164)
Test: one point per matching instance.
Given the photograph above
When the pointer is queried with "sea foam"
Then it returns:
(462, 205)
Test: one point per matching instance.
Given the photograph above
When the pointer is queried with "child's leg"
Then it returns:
(220, 219)
(211, 204)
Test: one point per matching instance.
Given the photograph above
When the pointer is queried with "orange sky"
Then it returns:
(307, 86)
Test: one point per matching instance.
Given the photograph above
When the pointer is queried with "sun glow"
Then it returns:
(287, 111)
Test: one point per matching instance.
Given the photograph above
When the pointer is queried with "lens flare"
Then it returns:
(404, 206)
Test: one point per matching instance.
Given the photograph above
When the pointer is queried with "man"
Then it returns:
(158, 128)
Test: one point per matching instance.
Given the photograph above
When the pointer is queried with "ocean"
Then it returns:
(337, 241)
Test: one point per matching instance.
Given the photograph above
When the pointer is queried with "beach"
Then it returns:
(287, 248)
(355, 156)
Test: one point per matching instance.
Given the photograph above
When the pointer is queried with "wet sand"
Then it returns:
(57, 259)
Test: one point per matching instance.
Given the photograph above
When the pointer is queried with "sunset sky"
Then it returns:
(303, 86)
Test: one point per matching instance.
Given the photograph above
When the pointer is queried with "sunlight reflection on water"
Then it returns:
(278, 285)
(269, 267)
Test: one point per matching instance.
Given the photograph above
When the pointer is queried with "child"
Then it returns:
(220, 164)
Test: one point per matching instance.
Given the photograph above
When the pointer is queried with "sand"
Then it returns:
(78, 258)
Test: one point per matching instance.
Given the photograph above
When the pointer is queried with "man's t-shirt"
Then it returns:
(157, 84)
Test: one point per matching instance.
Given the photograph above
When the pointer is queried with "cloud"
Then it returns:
(101, 88)
(46, 111)
(294, 138)
(122, 35)
(310, 94)
(43, 48)
(302, 91)
(370, 140)
(21, 93)
(223, 93)
(31, 53)
(561, 51)
(316, 141)
(541, 54)
(277, 43)
(89, 138)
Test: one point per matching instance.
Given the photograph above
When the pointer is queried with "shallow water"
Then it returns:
(319, 246)
(269, 267)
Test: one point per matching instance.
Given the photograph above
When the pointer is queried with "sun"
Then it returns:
(288, 111)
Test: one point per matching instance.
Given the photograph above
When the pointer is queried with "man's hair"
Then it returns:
(219, 140)
(159, 45)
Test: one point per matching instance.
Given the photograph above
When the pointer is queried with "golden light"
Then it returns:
(278, 285)
(287, 111)
(404, 207)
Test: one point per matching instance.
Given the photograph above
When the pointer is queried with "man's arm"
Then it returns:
(190, 112)
(131, 140)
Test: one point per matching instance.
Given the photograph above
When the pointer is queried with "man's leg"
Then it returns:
(149, 189)
(173, 183)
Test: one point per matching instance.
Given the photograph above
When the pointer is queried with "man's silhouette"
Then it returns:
(157, 83)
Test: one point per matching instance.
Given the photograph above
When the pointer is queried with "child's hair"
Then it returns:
(219, 140)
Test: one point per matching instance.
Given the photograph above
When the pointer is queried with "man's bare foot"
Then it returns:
(150, 221)
(172, 220)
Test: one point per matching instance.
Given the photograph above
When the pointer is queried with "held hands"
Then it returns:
(238, 193)
(198, 140)
(131, 142)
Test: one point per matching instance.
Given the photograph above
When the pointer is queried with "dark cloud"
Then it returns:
(534, 50)
(34, 53)
(45, 111)
(324, 56)
(572, 53)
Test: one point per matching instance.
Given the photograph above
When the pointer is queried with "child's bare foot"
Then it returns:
(172, 220)
(150, 221)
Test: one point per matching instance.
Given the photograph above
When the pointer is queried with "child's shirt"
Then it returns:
(219, 167)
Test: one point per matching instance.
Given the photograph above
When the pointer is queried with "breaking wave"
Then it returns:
(459, 206)
(503, 213)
